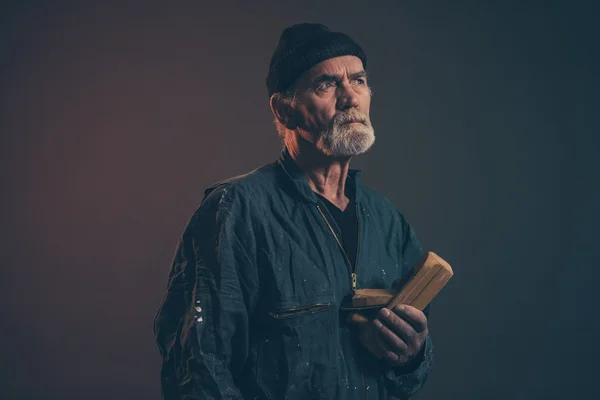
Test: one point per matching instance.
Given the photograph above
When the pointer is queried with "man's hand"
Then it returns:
(403, 331)
(396, 336)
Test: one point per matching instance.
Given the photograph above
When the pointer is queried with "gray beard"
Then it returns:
(343, 139)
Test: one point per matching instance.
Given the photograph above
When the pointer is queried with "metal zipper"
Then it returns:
(354, 275)
(364, 378)
(293, 311)
(341, 248)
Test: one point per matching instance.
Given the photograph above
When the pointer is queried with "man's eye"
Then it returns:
(327, 85)
(360, 81)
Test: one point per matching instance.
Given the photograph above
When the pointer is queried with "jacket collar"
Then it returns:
(299, 181)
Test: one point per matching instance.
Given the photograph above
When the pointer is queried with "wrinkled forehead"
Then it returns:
(336, 66)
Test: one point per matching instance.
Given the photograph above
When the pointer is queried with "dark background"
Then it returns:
(116, 115)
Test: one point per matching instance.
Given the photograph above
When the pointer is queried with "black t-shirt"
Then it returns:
(347, 224)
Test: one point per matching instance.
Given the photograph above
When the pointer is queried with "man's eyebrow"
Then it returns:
(361, 74)
(325, 78)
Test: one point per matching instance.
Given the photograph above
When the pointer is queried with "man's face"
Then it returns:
(331, 108)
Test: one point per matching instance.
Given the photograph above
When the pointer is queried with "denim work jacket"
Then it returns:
(253, 302)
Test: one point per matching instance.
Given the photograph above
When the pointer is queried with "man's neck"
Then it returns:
(326, 175)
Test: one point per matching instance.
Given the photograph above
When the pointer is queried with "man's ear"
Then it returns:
(283, 111)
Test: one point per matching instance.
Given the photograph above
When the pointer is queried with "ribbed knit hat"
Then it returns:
(303, 46)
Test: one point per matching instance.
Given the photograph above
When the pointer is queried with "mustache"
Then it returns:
(347, 117)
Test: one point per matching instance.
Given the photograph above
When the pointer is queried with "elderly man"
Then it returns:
(254, 305)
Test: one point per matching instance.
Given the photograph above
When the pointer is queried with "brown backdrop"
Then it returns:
(116, 115)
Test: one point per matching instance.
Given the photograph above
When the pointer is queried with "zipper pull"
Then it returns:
(354, 282)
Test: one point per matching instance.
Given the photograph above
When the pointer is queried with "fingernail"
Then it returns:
(385, 312)
(400, 308)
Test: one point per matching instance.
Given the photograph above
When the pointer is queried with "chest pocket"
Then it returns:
(297, 357)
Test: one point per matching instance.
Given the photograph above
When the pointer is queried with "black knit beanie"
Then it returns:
(303, 46)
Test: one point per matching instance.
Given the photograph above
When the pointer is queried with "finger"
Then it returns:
(413, 316)
(399, 327)
(392, 342)
(383, 349)
(371, 340)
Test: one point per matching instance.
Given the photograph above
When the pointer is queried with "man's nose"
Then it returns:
(347, 97)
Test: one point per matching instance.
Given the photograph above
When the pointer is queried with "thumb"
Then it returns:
(357, 319)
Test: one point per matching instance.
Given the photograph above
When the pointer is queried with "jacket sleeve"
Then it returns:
(405, 382)
(215, 333)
